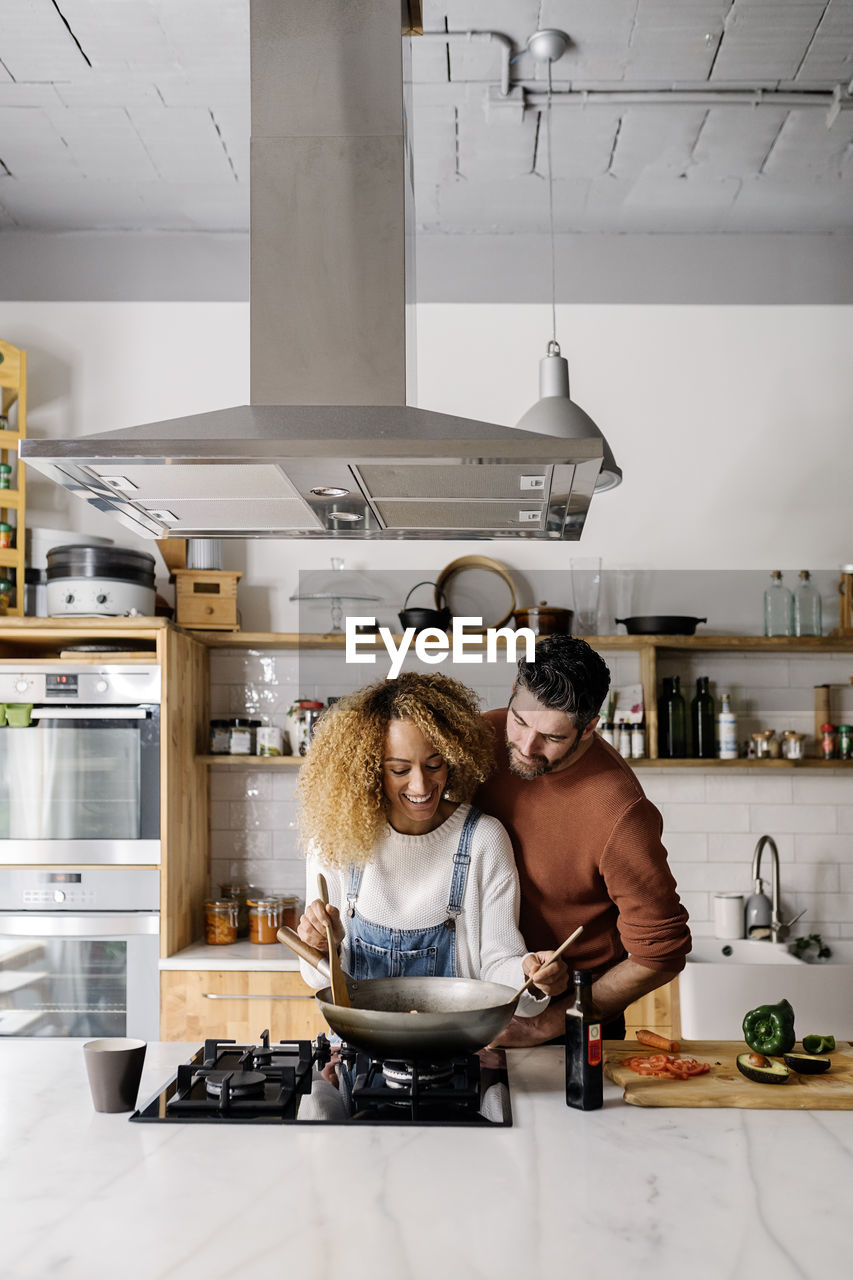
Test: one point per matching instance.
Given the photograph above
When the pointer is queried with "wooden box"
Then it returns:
(206, 599)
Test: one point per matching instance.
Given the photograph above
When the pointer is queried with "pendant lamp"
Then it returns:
(555, 413)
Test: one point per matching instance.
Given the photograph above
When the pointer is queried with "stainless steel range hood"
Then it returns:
(328, 448)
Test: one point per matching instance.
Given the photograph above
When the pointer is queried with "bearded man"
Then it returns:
(587, 841)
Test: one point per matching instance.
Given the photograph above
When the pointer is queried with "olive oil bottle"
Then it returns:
(584, 1074)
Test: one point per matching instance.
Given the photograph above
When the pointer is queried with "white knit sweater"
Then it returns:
(406, 886)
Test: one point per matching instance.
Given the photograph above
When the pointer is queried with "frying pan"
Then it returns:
(662, 624)
(454, 1015)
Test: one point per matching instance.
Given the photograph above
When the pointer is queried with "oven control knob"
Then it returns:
(102, 686)
(69, 599)
(21, 686)
(58, 895)
(102, 598)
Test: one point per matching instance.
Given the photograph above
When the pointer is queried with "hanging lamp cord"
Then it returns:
(553, 346)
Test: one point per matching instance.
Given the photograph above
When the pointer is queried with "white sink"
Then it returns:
(722, 980)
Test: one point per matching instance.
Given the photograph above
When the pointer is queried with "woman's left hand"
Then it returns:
(551, 976)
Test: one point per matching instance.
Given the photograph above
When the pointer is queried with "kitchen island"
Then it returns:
(622, 1192)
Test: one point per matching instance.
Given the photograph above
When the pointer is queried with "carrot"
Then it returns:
(654, 1041)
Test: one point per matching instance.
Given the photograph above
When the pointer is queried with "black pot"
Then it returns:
(662, 624)
(124, 564)
(422, 618)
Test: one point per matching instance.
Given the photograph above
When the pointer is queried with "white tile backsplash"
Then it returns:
(712, 818)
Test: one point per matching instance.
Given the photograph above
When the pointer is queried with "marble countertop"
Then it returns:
(237, 955)
(620, 1192)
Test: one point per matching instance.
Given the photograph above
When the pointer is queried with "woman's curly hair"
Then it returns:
(343, 808)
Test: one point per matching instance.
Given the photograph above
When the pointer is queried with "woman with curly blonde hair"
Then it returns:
(426, 883)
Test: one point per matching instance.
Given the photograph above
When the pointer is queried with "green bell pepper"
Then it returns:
(769, 1029)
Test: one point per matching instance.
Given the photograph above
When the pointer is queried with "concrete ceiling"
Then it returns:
(133, 116)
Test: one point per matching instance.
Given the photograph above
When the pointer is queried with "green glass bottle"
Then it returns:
(702, 720)
(673, 722)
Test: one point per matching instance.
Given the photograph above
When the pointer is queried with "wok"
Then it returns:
(454, 1015)
(662, 624)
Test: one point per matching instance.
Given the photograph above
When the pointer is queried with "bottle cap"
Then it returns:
(827, 728)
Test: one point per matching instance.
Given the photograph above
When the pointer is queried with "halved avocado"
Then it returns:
(808, 1064)
(774, 1073)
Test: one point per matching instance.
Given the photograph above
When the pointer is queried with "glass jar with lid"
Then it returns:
(241, 736)
(264, 919)
(220, 921)
(291, 909)
(845, 742)
(240, 894)
(220, 738)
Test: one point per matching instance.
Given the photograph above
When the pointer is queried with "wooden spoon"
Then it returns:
(340, 995)
(529, 983)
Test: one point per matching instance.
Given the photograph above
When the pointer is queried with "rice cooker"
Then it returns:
(100, 581)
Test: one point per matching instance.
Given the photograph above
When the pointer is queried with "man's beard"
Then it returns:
(540, 765)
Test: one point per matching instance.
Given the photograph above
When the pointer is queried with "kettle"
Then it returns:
(421, 618)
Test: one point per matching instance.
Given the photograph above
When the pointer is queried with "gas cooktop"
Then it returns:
(316, 1082)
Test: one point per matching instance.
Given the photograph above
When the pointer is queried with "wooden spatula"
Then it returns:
(340, 995)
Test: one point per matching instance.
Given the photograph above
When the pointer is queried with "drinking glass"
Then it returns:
(586, 589)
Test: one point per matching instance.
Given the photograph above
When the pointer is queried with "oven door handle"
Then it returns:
(67, 924)
(88, 713)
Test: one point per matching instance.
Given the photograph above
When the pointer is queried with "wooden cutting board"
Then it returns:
(724, 1086)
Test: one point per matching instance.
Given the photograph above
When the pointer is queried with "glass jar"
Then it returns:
(793, 745)
(828, 741)
(239, 894)
(845, 742)
(5, 475)
(268, 740)
(264, 919)
(638, 741)
(6, 532)
(241, 737)
(291, 909)
(220, 922)
(607, 731)
(220, 738)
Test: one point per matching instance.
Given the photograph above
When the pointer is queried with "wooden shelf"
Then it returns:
(264, 762)
(718, 643)
(9, 440)
(10, 499)
(648, 763)
(251, 762)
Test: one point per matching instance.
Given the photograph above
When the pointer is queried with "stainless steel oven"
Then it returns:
(79, 783)
(79, 952)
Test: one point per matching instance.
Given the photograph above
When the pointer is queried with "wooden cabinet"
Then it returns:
(237, 1004)
(13, 396)
(658, 1011)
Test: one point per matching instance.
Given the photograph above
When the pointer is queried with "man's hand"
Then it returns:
(523, 1033)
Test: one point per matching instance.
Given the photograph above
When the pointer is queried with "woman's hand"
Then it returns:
(551, 976)
(312, 926)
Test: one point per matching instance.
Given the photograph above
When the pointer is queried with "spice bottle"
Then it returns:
(623, 740)
(845, 742)
(638, 741)
(584, 1075)
(5, 475)
(827, 741)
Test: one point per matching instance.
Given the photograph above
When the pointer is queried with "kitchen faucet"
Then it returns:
(776, 924)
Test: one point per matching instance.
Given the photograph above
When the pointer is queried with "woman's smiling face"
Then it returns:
(414, 776)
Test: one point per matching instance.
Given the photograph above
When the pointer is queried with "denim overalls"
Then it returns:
(380, 952)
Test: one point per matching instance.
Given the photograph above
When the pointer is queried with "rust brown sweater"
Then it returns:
(588, 846)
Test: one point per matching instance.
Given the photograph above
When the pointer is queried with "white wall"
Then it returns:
(731, 425)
